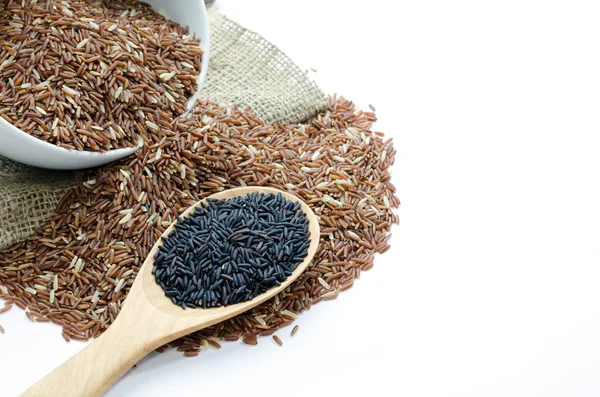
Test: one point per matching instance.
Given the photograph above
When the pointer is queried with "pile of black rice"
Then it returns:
(231, 250)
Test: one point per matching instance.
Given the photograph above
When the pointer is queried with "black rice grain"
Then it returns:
(230, 251)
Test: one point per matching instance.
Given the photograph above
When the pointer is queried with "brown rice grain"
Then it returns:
(294, 330)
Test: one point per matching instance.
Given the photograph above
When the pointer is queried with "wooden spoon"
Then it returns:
(149, 320)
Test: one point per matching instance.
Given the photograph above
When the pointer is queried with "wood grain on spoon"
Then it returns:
(149, 320)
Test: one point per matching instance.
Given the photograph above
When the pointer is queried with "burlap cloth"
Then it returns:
(244, 69)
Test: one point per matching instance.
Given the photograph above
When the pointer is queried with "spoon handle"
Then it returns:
(92, 371)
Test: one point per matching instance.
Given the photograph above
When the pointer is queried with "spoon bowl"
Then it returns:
(149, 320)
(19, 146)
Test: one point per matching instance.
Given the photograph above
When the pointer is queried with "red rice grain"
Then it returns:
(84, 251)
(120, 62)
(250, 339)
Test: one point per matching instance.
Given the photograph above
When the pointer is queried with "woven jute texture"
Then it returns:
(258, 74)
(245, 69)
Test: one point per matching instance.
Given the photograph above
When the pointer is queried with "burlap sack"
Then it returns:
(244, 69)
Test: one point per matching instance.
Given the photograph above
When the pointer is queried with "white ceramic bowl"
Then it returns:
(22, 147)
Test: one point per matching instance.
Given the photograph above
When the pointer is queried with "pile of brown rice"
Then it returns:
(92, 75)
(78, 267)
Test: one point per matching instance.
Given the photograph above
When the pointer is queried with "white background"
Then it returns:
(491, 287)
